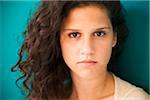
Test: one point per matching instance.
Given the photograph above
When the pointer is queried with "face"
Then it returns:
(86, 40)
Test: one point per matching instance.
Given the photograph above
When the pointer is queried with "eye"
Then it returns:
(74, 35)
(100, 33)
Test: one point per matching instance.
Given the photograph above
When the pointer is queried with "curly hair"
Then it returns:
(44, 72)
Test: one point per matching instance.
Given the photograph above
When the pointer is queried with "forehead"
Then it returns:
(87, 16)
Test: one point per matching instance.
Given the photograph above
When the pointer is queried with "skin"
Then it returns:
(87, 35)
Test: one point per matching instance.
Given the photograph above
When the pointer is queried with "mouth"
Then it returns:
(87, 62)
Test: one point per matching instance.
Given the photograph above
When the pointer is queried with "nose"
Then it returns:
(87, 47)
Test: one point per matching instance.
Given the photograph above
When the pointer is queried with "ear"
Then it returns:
(114, 40)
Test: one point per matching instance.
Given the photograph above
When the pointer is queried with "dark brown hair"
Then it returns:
(45, 74)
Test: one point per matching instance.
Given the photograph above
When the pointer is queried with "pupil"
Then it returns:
(74, 34)
(99, 33)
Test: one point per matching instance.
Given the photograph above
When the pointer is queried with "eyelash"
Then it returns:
(77, 34)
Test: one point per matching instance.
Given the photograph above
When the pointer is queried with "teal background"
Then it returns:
(0, 49)
(133, 64)
(15, 16)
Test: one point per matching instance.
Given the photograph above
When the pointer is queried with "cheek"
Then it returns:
(103, 52)
(68, 53)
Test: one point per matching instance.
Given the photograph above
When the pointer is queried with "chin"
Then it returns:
(87, 74)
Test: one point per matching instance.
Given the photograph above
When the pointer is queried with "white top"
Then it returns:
(127, 91)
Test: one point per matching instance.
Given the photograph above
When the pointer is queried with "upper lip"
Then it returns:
(87, 61)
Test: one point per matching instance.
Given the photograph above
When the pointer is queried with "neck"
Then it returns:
(92, 88)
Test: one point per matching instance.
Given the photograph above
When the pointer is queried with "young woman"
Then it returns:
(70, 47)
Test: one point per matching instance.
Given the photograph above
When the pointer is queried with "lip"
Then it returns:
(87, 62)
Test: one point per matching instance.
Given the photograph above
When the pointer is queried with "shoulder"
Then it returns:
(128, 91)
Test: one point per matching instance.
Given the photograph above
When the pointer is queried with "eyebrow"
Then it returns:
(71, 29)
